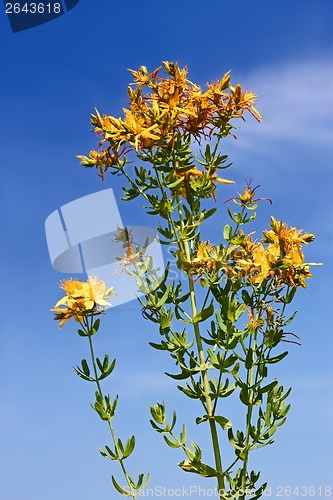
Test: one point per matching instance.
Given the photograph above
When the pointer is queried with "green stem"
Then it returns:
(114, 438)
(250, 375)
(205, 380)
(204, 374)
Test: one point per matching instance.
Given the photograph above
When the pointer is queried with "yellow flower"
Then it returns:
(205, 253)
(264, 261)
(141, 77)
(287, 242)
(255, 320)
(82, 298)
(174, 107)
(138, 132)
(243, 101)
(204, 259)
(282, 260)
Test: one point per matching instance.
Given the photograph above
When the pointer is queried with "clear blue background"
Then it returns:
(52, 76)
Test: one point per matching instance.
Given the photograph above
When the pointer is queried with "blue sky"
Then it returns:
(52, 77)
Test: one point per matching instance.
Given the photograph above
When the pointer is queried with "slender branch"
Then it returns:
(204, 374)
(100, 392)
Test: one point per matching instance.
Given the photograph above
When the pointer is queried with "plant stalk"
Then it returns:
(114, 439)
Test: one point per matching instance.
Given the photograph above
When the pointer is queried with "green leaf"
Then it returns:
(119, 488)
(249, 361)
(289, 320)
(189, 392)
(290, 295)
(227, 232)
(268, 387)
(204, 314)
(96, 325)
(244, 395)
(120, 445)
(285, 395)
(235, 444)
(220, 323)
(107, 370)
(82, 333)
(212, 357)
(163, 298)
(237, 218)
(235, 369)
(183, 435)
(94, 328)
(81, 375)
(267, 415)
(224, 422)
(183, 298)
(199, 420)
(139, 486)
(180, 376)
(239, 311)
(248, 300)
(156, 427)
(99, 364)
(160, 347)
(172, 444)
(229, 361)
(278, 358)
(175, 183)
(199, 468)
(129, 447)
(209, 213)
(109, 454)
(259, 492)
(85, 367)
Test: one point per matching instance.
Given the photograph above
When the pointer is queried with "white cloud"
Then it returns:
(290, 153)
(296, 102)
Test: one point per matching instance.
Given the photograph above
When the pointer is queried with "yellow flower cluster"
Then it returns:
(204, 259)
(81, 299)
(282, 259)
(174, 105)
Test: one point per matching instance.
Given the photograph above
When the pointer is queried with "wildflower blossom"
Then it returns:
(82, 298)
(174, 106)
(282, 259)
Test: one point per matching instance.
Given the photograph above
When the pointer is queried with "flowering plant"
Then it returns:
(225, 328)
(83, 301)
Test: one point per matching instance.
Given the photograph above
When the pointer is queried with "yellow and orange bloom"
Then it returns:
(82, 298)
(255, 320)
(204, 259)
(174, 106)
(282, 260)
(264, 263)
(287, 241)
